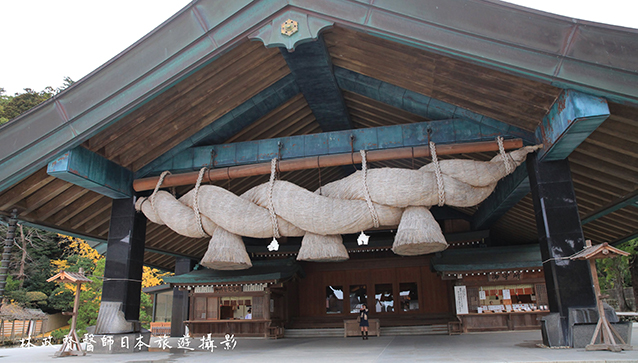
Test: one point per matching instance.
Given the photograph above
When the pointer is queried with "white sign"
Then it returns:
(482, 295)
(506, 294)
(204, 289)
(460, 296)
(255, 287)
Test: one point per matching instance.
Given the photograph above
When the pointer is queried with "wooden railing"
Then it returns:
(161, 328)
(19, 329)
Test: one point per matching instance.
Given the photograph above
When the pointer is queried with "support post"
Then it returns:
(179, 313)
(6, 253)
(569, 283)
(120, 307)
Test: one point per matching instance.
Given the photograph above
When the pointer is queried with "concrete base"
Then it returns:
(117, 343)
(110, 320)
(582, 333)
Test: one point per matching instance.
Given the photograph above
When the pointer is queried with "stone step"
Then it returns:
(387, 331)
(415, 330)
(313, 333)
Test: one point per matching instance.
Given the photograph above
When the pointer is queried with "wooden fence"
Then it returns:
(161, 328)
(20, 329)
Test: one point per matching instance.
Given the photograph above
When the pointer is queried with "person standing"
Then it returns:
(249, 315)
(363, 321)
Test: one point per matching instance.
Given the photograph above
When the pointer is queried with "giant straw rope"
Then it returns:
(369, 198)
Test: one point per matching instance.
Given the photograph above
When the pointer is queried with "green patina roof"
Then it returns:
(269, 270)
(481, 259)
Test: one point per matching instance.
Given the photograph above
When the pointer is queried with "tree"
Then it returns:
(13, 106)
(4, 99)
(30, 258)
(620, 272)
(21, 103)
(80, 254)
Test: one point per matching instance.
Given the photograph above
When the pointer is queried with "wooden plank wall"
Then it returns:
(433, 291)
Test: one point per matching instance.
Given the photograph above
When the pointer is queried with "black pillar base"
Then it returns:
(180, 299)
(123, 270)
(569, 283)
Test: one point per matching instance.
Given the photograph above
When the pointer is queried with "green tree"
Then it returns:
(30, 264)
(4, 99)
(614, 274)
(13, 106)
(21, 103)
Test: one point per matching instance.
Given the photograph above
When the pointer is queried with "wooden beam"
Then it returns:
(89, 170)
(44, 195)
(321, 161)
(572, 118)
(509, 191)
(24, 189)
(89, 213)
(60, 202)
(75, 208)
(311, 66)
(622, 202)
(419, 104)
(169, 253)
(294, 147)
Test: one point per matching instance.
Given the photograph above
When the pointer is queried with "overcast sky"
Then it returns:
(45, 40)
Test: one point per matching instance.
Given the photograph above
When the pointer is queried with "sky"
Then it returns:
(44, 41)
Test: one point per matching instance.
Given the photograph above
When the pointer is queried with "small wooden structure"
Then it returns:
(351, 328)
(603, 328)
(71, 345)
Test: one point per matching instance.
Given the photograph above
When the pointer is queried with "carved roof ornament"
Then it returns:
(289, 27)
(283, 31)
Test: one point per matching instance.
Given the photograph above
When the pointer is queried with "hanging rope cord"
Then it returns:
(510, 164)
(271, 208)
(437, 172)
(366, 191)
(198, 215)
(157, 187)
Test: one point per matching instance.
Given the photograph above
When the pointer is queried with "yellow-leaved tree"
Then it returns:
(80, 254)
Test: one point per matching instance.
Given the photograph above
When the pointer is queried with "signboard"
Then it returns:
(506, 294)
(460, 297)
(238, 288)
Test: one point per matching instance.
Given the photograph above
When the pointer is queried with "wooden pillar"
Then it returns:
(179, 314)
(560, 234)
(123, 270)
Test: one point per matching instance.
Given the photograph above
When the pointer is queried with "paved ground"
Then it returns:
(480, 347)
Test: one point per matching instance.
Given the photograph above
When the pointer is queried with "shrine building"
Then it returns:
(285, 158)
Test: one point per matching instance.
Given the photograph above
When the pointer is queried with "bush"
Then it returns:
(59, 334)
(36, 298)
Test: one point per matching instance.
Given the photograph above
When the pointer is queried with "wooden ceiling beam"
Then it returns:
(60, 202)
(624, 201)
(89, 213)
(174, 98)
(213, 104)
(45, 194)
(311, 66)
(229, 100)
(24, 189)
(320, 161)
(604, 168)
(625, 238)
(609, 142)
(75, 208)
(606, 155)
(606, 179)
(286, 110)
(95, 222)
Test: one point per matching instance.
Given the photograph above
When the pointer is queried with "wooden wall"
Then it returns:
(433, 292)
